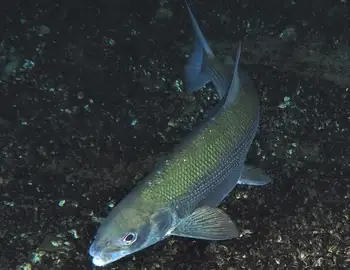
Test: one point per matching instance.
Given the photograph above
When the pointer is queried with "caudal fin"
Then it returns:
(203, 67)
(195, 75)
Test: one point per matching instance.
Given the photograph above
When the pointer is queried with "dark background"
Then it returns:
(90, 97)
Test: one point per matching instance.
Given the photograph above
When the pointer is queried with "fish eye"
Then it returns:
(129, 238)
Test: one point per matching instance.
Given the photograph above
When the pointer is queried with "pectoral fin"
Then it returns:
(254, 176)
(207, 223)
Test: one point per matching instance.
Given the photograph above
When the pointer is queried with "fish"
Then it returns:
(180, 197)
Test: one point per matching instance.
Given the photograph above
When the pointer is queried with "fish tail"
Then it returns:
(203, 67)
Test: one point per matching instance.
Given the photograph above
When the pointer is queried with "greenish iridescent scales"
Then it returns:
(180, 196)
(205, 155)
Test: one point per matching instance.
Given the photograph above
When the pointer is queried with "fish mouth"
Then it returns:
(94, 250)
(100, 261)
(101, 257)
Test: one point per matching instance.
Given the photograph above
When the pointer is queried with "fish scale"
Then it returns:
(210, 156)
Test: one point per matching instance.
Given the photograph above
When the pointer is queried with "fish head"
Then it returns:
(126, 231)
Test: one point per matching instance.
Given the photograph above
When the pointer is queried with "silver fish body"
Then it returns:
(180, 196)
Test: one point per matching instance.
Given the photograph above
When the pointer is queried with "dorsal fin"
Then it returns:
(235, 83)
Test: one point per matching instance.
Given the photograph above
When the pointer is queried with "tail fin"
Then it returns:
(195, 76)
(203, 67)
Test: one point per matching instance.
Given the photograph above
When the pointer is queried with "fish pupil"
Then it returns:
(129, 237)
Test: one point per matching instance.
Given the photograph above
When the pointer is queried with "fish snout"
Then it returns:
(98, 261)
(98, 258)
(101, 256)
(94, 250)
